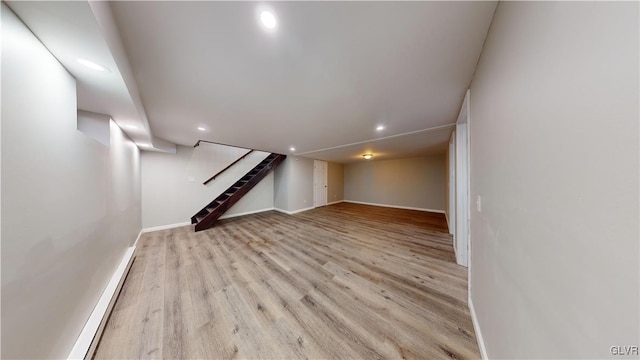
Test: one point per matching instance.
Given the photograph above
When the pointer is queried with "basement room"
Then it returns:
(320, 180)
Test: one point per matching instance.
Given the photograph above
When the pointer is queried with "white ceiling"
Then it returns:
(414, 144)
(70, 31)
(330, 73)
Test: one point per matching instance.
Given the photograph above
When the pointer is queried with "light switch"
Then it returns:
(191, 178)
(479, 203)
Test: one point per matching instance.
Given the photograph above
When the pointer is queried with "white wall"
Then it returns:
(280, 185)
(294, 184)
(554, 156)
(335, 182)
(172, 189)
(413, 182)
(70, 205)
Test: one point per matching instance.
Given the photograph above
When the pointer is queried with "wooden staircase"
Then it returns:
(207, 217)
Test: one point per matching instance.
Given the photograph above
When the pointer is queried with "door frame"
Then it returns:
(462, 233)
(320, 183)
(451, 211)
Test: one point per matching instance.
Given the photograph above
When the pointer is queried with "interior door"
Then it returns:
(319, 183)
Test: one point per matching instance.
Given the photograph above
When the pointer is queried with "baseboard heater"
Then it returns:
(87, 342)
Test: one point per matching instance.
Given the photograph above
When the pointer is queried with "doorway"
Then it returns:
(319, 183)
(451, 188)
(462, 185)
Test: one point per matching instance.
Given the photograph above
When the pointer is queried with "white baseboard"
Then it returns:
(396, 206)
(135, 243)
(476, 328)
(88, 340)
(171, 226)
(448, 224)
(294, 211)
(246, 213)
(455, 252)
(165, 227)
(335, 202)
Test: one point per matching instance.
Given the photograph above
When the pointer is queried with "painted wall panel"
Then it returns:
(70, 205)
(555, 159)
(172, 183)
(335, 188)
(411, 182)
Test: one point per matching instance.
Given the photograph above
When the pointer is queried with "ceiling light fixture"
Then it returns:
(380, 127)
(292, 148)
(268, 20)
(201, 128)
(144, 145)
(367, 156)
(91, 65)
(131, 127)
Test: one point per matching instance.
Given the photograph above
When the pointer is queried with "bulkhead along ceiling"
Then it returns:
(328, 79)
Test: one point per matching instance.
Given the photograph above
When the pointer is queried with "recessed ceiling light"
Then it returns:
(268, 20)
(91, 65)
(367, 156)
(132, 127)
(292, 148)
(201, 128)
(144, 145)
(380, 127)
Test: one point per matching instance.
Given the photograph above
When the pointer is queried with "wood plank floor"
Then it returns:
(344, 281)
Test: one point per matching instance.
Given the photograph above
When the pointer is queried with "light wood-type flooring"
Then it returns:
(344, 281)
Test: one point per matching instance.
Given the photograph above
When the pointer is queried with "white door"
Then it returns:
(319, 183)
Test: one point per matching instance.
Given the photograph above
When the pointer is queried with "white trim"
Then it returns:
(476, 328)
(165, 227)
(85, 344)
(335, 202)
(463, 189)
(396, 206)
(320, 183)
(455, 253)
(172, 226)
(294, 211)
(468, 98)
(451, 211)
(447, 218)
(245, 213)
(135, 243)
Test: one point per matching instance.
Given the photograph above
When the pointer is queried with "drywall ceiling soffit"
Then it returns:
(79, 29)
(327, 77)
